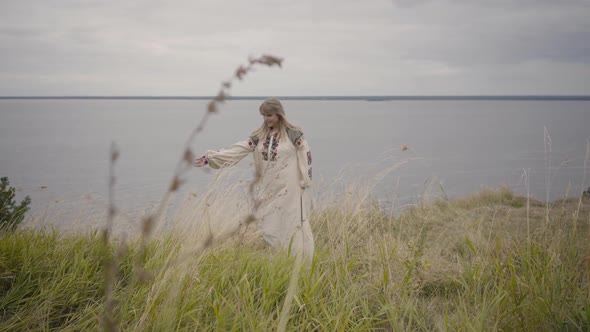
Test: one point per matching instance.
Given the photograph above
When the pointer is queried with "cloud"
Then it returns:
(507, 36)
(331, 47)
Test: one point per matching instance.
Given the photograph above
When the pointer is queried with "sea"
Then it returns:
(402, 150)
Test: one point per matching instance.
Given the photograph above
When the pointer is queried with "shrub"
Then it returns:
(11, 214)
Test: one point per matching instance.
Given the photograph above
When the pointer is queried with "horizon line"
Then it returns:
(315, 97)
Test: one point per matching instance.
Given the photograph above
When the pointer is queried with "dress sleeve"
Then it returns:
(304, 160)
(231, 155)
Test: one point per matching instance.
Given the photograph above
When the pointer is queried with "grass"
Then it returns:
(467, 264)
(492, 261)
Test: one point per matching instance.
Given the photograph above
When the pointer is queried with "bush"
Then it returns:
(11, 215)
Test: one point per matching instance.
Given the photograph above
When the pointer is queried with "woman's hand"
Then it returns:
(200, 162)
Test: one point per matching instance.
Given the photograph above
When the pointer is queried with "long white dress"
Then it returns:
(284, 190)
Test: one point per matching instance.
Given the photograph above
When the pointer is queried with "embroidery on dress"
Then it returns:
(251, 144)
(309, 173)
(298, 142)
(273, 148)
(309, 157)
(294, 135)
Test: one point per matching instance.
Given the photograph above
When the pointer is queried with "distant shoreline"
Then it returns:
(328, 98)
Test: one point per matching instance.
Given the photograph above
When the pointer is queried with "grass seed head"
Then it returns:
(189, 156)
(211, 107)
(241, 72)
(176, 183)
(147, 225)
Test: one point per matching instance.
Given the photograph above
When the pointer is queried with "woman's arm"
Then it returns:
(304, 160)
(226, 157)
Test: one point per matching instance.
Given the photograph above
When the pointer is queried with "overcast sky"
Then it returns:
(331, 47)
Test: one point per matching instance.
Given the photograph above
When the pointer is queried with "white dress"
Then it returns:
(284, 190)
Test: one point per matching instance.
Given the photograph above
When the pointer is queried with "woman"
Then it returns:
(284, 159)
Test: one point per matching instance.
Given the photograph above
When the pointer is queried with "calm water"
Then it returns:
(56, 151)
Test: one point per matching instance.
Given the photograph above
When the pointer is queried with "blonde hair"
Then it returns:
(270, 106)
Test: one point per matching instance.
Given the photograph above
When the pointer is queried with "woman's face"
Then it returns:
(271, 119)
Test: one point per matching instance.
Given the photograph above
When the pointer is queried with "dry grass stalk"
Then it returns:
(547, 144)
(185, 163)
(186, 160)
(108, 321)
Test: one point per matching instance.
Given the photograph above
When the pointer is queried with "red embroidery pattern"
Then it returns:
(273, 148)
(251, 144)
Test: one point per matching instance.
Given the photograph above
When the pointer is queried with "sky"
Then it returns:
(330, 47)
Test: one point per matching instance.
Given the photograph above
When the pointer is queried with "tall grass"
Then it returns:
(492, 261)
(454, 265)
